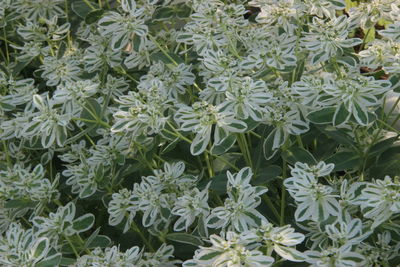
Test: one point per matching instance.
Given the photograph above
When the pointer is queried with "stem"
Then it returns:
(83, 243)
(144, 239)
(8, 159)
(271, 205)
(6, 45)
(283, 194)
(209, 167)
(72, 246)
(169, 57)
(244, 148)
(300, 141)
(365, 39)
(89, 4)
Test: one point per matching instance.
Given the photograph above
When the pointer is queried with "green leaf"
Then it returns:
(345, 160)
(269, 145)
(267, 175)
(101, 241)
(223, 146)
(338, 3)
(51, 261)
(210, 255)
(82, 9)
(170, 59)
(185, 238)
(93, 16)
(382, 146)
(360, 114)
(183, 11)
(395, 80)
(338, 135)
(322, 116)
(164, 13)
(96, 240)
(219, 164)
(41, 248)
(61, 50)
(67, 261)
(341, 115)
(170, 146)
(289, 253)
(19, 204)
(369, 35)
(298, 154)
(348, 60)
(218, 183)
(83, 223)
(91, 112)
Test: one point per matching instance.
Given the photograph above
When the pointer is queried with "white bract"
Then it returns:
(315, 201)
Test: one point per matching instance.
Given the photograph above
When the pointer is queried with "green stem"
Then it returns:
(6, 45)
(209, 167)
(365, 39)
(165, 52)
(89, 4)
(8, 159)
(144, 239)
(283, 195)
(72, 246)
(271, 205)
(244, 148)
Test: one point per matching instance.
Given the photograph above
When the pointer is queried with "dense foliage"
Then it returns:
(199, 133)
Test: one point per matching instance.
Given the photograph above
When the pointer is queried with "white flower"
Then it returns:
(189, 206)
(110, 257)
(380, 200)
(62, 223)
(328, 38)
(246, 98)
(335, 257)
(239, 210)
(122, 28)
(280, 239)
(200, 119)
(315, 201)
(19, 247)
(229, 252)
(123, 204)
(356, 96)
(58, 70)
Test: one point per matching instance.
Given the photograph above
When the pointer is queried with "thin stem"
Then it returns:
(89, 4)
(283, 194)
(8, 159)
(144, 239)
(209, 167)
(72, 246)
(244, 148)
(169, 57)
(299, 141)
(365, 39)
(6, 45)
(271, 205)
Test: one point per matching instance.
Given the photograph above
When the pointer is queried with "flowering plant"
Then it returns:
(221, 133)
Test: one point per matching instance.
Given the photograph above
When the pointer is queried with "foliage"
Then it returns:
(199, 133)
